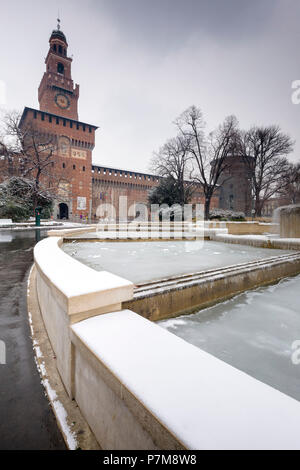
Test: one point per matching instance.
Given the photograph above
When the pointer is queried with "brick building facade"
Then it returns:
(85, 186)
(73, 140)
(109, 184)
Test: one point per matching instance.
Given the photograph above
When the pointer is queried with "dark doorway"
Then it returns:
(63, 211)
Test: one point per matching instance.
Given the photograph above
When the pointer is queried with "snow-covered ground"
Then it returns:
(45, 225)
(144, 261)
(254, 332)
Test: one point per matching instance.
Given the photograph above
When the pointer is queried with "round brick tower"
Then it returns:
(235, 186)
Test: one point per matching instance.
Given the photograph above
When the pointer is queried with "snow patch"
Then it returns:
(62, 417)
(173, 322)
(59, 409)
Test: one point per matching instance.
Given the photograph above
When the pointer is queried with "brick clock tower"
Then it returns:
(58, 117)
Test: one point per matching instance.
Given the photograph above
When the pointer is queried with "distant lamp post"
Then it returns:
(38, 216)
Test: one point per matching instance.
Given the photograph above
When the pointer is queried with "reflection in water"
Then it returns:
(6, 238)
(37, 236)
(21, 239)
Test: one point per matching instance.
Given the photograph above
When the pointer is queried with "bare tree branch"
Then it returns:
(264, 150)
(209, 154)
(32, 154)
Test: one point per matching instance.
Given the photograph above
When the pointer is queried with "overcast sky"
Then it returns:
(140, 63)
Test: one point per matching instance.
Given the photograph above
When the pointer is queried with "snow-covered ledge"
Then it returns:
(261, 241)
(68, 292)
(6, 223)
(141, 387)
(138, 385)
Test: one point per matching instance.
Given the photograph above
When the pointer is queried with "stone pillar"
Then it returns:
(289, 217)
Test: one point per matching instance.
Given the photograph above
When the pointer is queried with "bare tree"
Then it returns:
(289, 184)
(264, 150)
(173, 161)
(30, 154)
(209, 154)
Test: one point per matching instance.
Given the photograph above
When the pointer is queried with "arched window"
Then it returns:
(60, 68)
(60, 49)
(54, 47)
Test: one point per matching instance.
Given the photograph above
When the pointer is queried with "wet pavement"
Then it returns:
(26, 418)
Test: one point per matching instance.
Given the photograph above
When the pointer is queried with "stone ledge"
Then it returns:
(170, 297)
(80, 288)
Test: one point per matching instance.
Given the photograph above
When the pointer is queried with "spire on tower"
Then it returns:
(57, 33)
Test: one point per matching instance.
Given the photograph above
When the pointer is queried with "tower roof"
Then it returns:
(58, 34)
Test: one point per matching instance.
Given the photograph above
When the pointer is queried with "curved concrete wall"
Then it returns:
(69, 292)
(139, 386)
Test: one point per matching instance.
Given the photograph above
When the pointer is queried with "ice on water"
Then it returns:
(145, 261)
(254, 332)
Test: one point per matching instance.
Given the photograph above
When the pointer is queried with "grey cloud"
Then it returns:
(140, 63)
(166, 23)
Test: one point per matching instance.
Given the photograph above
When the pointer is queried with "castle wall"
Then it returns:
(109, 184)
(72, 160)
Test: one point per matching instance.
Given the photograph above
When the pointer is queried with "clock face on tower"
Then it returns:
(62, 100)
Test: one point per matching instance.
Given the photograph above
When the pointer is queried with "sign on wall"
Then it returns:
(63, 189)
(81, 203)
(79, 154)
